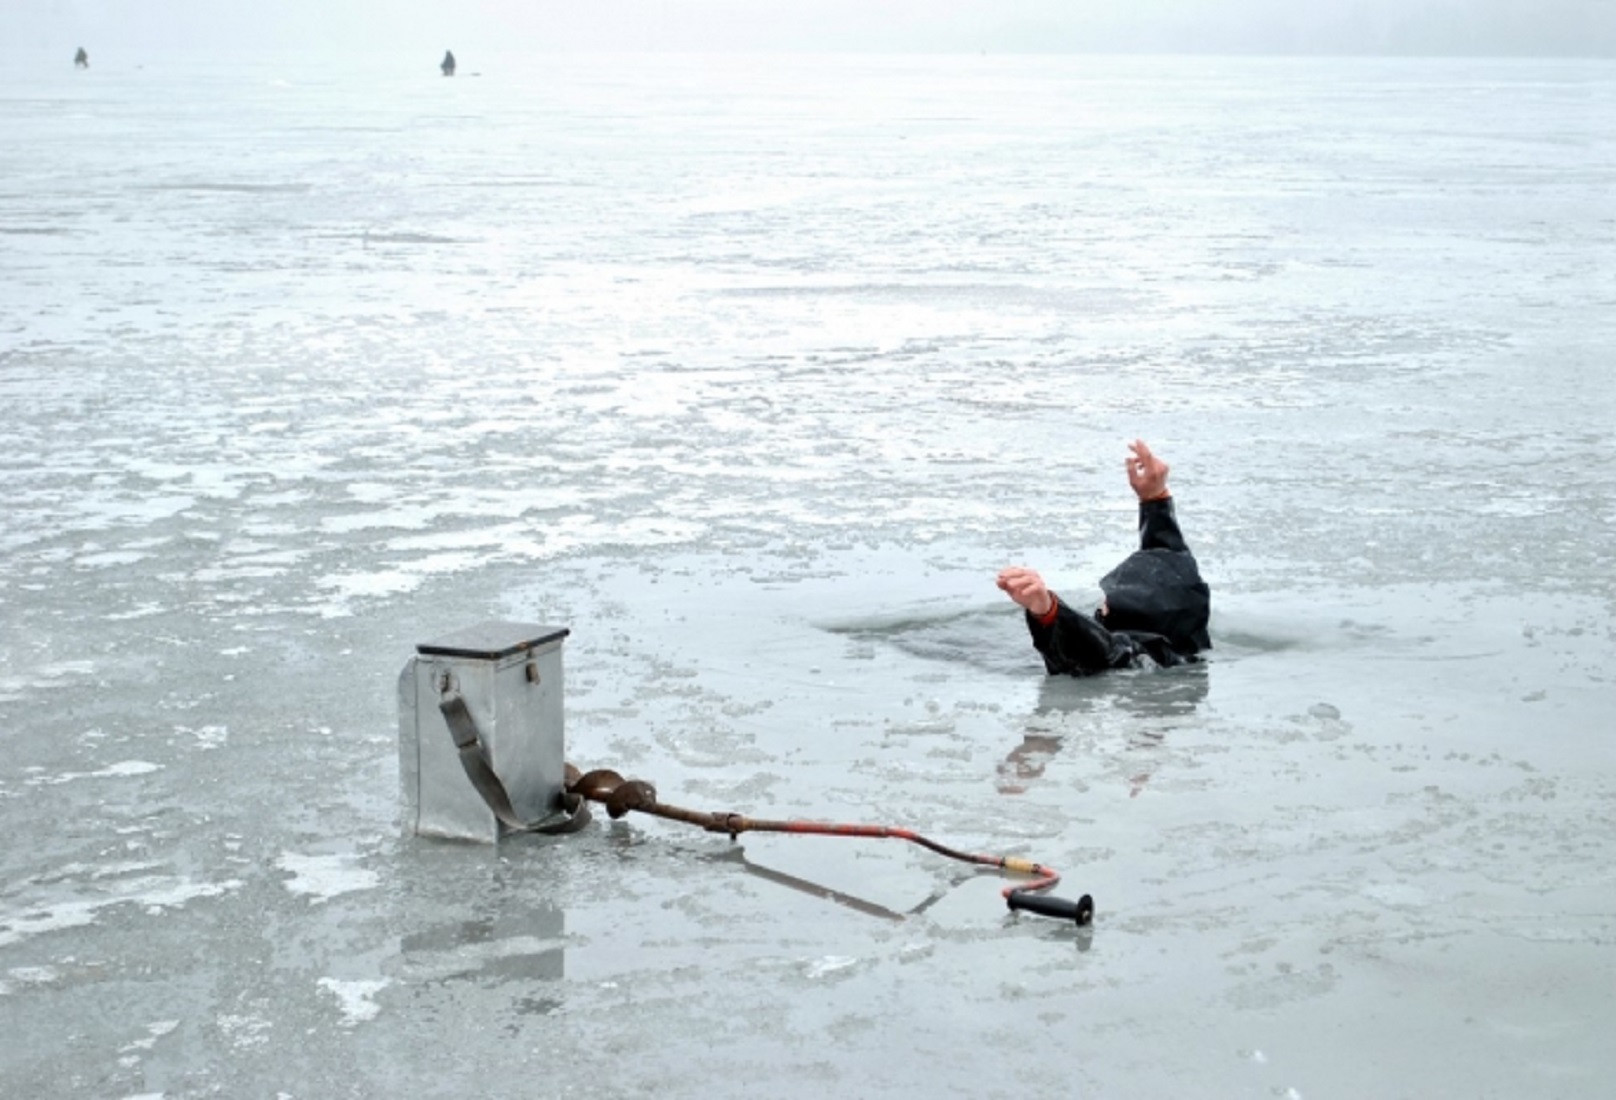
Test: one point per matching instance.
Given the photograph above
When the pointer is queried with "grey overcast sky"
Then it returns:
(1585, 28)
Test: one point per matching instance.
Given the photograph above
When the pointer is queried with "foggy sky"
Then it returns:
(1585, 28)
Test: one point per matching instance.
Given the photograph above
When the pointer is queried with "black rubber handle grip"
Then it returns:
(1079, 912)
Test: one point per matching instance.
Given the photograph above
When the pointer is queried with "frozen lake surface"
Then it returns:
(752, 372)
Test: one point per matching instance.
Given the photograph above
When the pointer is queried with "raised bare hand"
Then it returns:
(1027, 588)
(1146, 473)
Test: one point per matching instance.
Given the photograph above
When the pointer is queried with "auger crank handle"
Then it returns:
(1080, 912)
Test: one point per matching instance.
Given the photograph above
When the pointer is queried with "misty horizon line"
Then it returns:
(462, 53)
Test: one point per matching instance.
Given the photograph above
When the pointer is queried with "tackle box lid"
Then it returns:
(491, 641)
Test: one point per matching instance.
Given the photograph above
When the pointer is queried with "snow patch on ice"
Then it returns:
(355, 998)
(154, 1032)
(207, 737)
(121, 770)
(323, 877)
(38, 917)
(829, 965)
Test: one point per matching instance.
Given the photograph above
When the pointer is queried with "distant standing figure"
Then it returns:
(448, 65)
(81, 59)
(1156, 604)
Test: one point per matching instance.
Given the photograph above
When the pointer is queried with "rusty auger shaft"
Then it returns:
(621, 796)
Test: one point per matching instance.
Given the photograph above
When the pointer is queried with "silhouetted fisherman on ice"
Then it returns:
(81, 60)
(448, 63)
(1156, 605)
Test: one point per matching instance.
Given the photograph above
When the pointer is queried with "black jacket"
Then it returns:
(1157, 605)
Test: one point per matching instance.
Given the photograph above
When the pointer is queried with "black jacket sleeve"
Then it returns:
(1158, 526)
(1076, 645)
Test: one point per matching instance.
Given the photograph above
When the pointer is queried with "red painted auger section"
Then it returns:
(622, 795)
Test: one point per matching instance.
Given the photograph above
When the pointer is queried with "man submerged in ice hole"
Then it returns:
(1155, 604)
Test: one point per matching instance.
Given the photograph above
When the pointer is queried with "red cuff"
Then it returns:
(1048, 617)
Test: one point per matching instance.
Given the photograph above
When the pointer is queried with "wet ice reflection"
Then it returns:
(758, 409)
